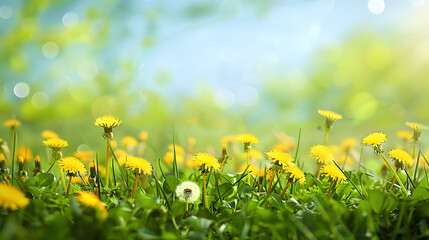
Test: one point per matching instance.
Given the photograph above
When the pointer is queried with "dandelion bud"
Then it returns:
(92, 172)
(37, 167)
(22, 174)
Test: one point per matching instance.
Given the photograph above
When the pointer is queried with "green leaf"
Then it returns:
(31, 182)
(380, 201)
(177, 209)
(45, 179)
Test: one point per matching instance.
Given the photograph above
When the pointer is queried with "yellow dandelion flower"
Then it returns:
(418, 129)
(25, 153)
(139, 164)
(49, 134)
(143, 136)
(122, 156)
(253, 154)
(90, 200)
(228, 139)
(12, 123)
(108, 122)
(341, 159)
(331, 171)
(179, 149)
(192, 141)
(334, 149)
(295, 173)
(406, 135)
(252, 168)
(84, 155)
(207, 161)
(282, 157)
(401, 157)
(12, 198)
(77, 180)
(247, 138)
(55, 143)
(284, 146)
(129, 141)
(374, 139)
(329, 115)
(348, 143)
(72, 165)
(113, 144)
(169, 157)
(322, 154)
(191, 164)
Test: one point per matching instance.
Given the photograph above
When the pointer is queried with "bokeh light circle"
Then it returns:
(40, 100)
(50, 50)
(21, 90)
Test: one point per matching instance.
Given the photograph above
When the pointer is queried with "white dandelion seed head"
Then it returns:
(188, 192)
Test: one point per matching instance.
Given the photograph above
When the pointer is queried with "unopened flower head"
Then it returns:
(206, 162)
(330, 117)
(108, 122)
(401, 158)
(331, 171)
(322, 154)
(418, 129)
(139, 165)
(12, 198)
(72, 165)
(90, 200)
(55, 143)
(375, 139)
(188, 192)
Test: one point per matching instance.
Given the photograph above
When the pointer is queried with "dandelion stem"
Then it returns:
(68, 186)
(135, 185)
(326, 137)
(394, 172)
(206, 202)
(186, 210)
(393, 180)
(316, 174)
(107, 163)
(330, 189)
(143, 181)
(248, 175)
(345, 159)
(287, 186)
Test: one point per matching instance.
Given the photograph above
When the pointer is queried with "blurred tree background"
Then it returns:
(212, 67)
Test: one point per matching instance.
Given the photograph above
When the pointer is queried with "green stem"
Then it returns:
(107, 163)
(248, 175)
(330, 189)
(345, 159)
(394, 172)
(186, 210)
(326, 137)
(416, 162)
(68, 186)
(206, 202)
